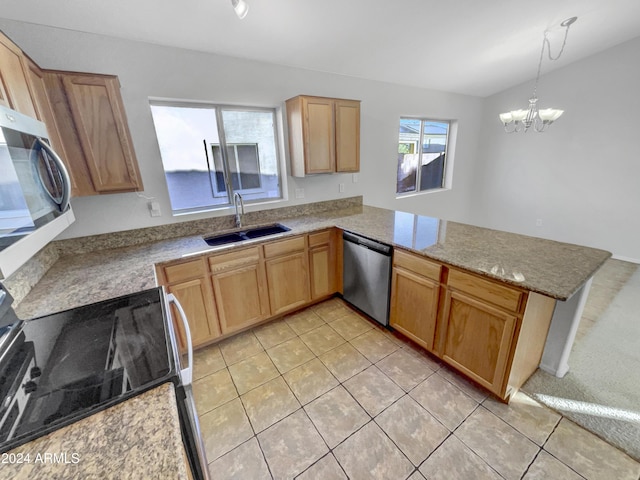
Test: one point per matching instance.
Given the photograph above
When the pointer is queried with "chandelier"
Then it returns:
(522, 120)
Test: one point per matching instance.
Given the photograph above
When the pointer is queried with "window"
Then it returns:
(210, 152)
(421, 163)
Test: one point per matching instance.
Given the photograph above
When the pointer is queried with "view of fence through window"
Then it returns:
(210, 152)
(421, 163)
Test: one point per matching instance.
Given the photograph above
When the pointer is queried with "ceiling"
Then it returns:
(465, 46)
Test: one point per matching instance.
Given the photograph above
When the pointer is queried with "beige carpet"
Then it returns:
(601, 392)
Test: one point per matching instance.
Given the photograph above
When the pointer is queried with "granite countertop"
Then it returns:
(135, 436)
(551, 268)
(102, 446)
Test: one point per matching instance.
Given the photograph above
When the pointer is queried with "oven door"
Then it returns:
(189, 423)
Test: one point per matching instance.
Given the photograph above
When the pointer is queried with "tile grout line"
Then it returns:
(535, 457)
(552, 455)
(401, 347)
(468, 446)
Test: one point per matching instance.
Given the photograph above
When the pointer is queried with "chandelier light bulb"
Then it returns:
(241, 8)
(550, 114)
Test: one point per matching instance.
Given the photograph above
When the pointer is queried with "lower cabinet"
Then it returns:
(415, 293)
(189, 282)
(287, 269)
(240, 289)
(223, 293)
(489, 331)
(414, 306)
(477, 339)
(322, 264)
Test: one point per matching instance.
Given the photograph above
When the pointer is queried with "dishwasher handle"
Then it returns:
(366, 243)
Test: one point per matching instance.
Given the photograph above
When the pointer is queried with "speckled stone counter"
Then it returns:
(554, 269)
(139, 438)
(551, 268)
(135, 437)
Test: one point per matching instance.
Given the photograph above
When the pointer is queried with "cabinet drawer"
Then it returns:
(500, 295)
(320, 238)
(284, 246)
(184, 271)
(236, 259)
(417, 264)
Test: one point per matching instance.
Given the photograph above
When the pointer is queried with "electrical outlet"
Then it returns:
(154, 209)
(341, 187)
(539, 222)
(299, 192)
(354, 178)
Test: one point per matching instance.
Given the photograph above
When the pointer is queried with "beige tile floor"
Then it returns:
(327, 394)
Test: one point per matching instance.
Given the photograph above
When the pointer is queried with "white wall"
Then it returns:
(147, 70)
(582, 176)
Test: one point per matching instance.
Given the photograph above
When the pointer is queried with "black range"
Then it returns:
(57, 369)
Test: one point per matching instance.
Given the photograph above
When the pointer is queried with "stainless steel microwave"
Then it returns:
(34, 190)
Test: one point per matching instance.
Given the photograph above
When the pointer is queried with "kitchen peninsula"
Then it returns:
(532, 268)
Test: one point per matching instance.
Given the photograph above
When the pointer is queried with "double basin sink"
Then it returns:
(243, 235)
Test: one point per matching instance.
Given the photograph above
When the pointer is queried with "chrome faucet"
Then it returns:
(239, 215)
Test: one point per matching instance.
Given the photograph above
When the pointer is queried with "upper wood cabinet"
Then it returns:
(92, 124)
(85, 119)
(47, 115)
(324, 135)
(347, 115)
(15, 88)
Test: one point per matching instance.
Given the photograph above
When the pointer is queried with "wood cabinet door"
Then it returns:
(15, 90)
(321, 265)
(47, 115)
(347, 114)
(414, 306)
(477, 339)
(100, 122)
(196, 299)
(288, 281)
(241, 297)
(319, 136)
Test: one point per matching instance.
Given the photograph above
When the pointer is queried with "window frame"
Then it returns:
(218, 109)
(223, 193)
(445, 184)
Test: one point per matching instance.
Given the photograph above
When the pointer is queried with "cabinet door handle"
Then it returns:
(186, 374)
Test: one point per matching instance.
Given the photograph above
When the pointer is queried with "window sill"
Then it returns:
(423, 192)
(229, 208)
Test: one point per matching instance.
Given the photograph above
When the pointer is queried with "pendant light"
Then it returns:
(522, 120)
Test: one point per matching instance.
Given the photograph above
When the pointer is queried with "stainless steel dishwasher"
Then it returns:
(367, 275)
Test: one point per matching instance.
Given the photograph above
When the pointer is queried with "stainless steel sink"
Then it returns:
(249, 234)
